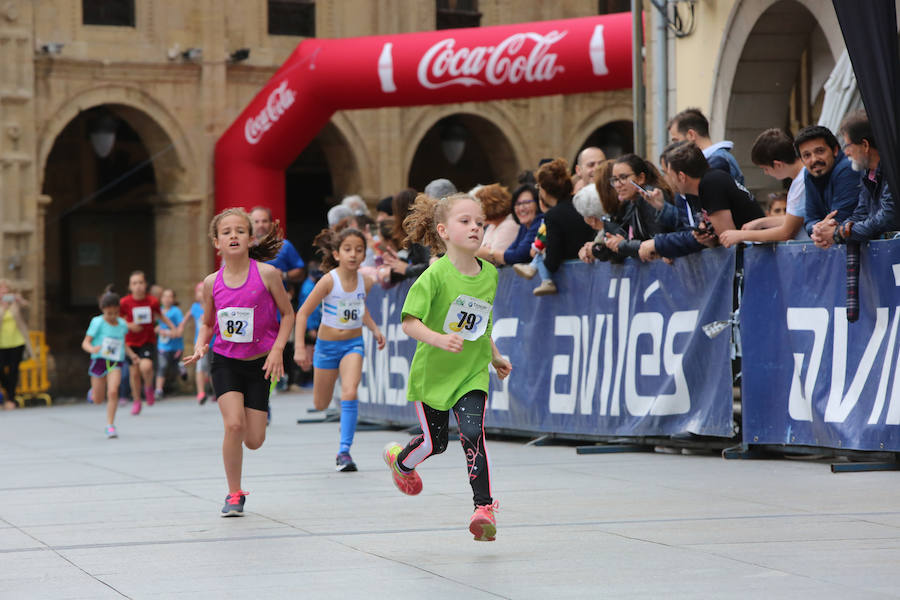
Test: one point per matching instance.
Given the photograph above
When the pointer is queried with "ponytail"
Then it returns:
(328, 241)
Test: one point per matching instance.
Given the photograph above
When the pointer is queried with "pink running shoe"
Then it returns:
(409, 483)
(149, 395)
(483, 524)
(136, 406)
(234, 504)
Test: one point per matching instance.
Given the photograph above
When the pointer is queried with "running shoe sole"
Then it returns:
(484, 531)
(386, 454)
(233, 513)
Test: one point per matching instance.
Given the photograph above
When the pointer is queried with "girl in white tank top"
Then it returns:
(339, 346)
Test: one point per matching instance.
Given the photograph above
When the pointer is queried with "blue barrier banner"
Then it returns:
(619, 351)
(810, 377)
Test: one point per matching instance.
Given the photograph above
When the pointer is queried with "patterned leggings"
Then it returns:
(469, 413)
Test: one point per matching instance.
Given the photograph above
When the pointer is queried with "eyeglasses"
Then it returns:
(620, 179)
(524, 202)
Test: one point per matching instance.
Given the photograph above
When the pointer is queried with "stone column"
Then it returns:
(20, 255)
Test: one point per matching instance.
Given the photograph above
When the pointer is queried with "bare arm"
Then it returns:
(201, 347)
(785, 231)
(274, 365)
(322, 289)
(420, 332)
(500, 363)
(87, 346)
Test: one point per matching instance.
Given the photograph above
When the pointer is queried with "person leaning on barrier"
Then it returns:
(501, 228)
(831, 184)
(724, 205)
(774, 152)
(529, 217)
(875, 212)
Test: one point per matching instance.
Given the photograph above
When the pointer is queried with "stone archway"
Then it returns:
(487, 155)
(776, 49)
(106, 216)
(325, 172)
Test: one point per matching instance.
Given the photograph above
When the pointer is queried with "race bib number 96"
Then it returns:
(468, 317)
(350, 313)
(236, 324)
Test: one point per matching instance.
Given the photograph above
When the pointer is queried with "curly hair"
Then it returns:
(424, 216)
(328, 241)
(402, 202)
(553, 177)
(265, 249)
(495, 200)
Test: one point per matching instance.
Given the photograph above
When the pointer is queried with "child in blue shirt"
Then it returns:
(169, 344)
(201, 374)
(105, 342)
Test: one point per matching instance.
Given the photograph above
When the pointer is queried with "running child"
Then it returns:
(170, 344)
(339, 344)
(201, 373)
(448, 311)
(141, 311)
(105, 342)
(240, 301)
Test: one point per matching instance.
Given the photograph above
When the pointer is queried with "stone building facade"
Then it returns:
(165, 75)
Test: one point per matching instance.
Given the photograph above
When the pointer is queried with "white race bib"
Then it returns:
(111, 348)
(142, 315)
(236, 324)
(468, 317)
(350, 313)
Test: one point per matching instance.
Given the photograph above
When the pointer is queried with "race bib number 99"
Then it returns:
(142, 315)
(468, 317)
(236, 324)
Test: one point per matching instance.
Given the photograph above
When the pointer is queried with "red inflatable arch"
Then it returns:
(438, 67)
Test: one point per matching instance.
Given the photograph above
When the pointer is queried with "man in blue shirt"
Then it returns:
(690, 125)
(831, 184)
(288, 260)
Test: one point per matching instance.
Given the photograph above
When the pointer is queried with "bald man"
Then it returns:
(587, 162)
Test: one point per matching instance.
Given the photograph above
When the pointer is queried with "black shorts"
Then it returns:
(244, 376)
(145, 351)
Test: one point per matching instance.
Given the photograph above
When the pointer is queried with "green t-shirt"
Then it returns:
(448, 301)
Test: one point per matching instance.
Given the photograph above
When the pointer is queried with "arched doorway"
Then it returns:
(103, 176)
(778, 80)
(467, 150)
(319, 178)
(615, 139)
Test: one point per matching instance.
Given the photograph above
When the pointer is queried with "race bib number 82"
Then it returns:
(236, 324)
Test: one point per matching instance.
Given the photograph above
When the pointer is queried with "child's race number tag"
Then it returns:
(468, 317)
(111, 348)
(236, 324)
(350, 313)
(142, 315)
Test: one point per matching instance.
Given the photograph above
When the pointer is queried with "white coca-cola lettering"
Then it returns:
(507, 62)
(280, 99)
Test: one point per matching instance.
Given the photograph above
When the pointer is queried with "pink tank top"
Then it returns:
(246, 321)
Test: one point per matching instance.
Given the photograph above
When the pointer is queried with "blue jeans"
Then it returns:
(538, 263)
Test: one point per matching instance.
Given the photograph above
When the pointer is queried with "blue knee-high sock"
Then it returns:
(349, 412)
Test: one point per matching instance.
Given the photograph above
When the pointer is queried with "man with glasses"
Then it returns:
(831, 184)
(875, 212)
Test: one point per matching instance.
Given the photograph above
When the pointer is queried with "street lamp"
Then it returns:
(453, 141)
(103, 135)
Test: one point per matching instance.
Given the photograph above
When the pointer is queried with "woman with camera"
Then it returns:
(632, 211)
(13, 341)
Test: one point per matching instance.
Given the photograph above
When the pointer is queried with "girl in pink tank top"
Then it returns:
(240, 301)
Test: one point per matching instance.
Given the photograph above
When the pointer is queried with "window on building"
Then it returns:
(118, 13)
(292, 17)
(606, 7)
(453, 14)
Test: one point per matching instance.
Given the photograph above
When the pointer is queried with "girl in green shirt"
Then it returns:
(448, 311)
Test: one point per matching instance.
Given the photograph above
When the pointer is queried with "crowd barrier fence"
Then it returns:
(621, 350)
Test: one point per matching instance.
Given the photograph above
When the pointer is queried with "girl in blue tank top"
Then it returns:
(339, 343)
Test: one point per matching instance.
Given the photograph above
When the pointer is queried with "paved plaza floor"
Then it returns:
(138, 517)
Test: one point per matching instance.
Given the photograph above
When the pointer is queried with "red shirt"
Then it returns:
(145, 310)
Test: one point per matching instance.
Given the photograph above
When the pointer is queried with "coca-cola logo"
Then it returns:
(280, 99)
(522, 56)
